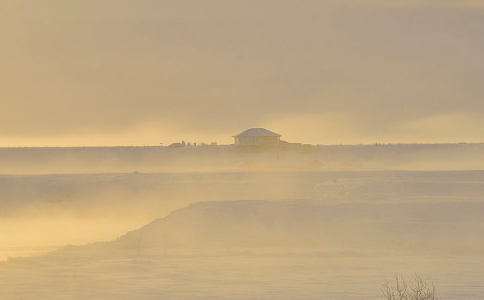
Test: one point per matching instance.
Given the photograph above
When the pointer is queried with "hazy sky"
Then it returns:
(119, 72)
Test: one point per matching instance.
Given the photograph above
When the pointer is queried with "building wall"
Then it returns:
(256, 140)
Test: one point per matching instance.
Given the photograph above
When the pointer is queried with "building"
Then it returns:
(257, 137)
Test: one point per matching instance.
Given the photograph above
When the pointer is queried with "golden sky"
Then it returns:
(145, 72)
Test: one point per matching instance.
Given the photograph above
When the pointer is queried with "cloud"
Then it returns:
(346, 128)
(451, 127)
(89, 69)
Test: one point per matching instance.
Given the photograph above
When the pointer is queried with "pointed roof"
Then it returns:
(257, 132)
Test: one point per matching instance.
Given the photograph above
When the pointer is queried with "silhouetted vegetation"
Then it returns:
(419, 289)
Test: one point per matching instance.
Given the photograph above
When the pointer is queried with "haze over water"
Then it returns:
(119, 176)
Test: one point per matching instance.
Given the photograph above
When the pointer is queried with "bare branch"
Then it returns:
(418, 290)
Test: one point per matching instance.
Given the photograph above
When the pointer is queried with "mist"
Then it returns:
(192, 234)
(137, 159)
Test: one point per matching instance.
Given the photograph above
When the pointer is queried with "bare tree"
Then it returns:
(418, 290)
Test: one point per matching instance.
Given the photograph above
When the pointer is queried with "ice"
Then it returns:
(240, 235)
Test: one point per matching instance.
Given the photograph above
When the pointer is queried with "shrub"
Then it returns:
(419, 289)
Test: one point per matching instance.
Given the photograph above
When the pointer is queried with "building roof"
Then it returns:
(257, 132)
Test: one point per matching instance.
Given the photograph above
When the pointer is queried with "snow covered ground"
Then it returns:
(240, 235)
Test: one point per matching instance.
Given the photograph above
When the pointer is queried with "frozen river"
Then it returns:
(324, 274)
(357, 228)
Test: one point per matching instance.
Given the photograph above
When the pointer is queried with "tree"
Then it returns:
(419, 289)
